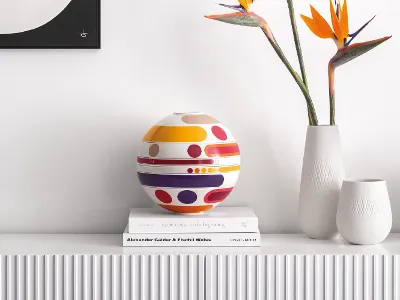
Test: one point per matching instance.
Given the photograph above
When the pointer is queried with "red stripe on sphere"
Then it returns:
(163, 196)
(219, 133)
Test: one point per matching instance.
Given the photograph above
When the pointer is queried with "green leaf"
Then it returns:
(239, 18)
(349, 53)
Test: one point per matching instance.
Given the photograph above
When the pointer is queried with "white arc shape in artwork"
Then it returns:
(23, 15)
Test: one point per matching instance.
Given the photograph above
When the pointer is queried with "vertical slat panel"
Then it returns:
(124, 278)
(211, 278)
(220, 277)
(299, 276)
(20, 278)
(250, 277)
(358, 287)
(153, 278)
(66, 277)
(2, 277)
(96, 277)
(280, 277)
(30, 277)
(199, 277)
(78, 280)
(260, 277)
(157, 276)
(192, 278)
(86, 278)
(319, 277)
(328, 276)
(162, 278)
(11, 291)
(105, 277)
(57, 281)
(39, 277)
(368, 277)
(378, 277)
(348, 279)
(49, 277)
(182, 277)
(290, 273)
(240, 275)
(309, 277)
(271, 277)
(202, 275)
(337, 282)
(115, 277)
(396, 277)
(230, 269)
(144, 277)
(172, 277)
(387, 277)
(135, 277)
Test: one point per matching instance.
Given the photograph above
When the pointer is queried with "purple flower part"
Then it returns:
(353, 35)
(337, 9)
(235, 7)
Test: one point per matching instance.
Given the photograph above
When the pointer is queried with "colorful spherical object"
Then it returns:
(188, 163)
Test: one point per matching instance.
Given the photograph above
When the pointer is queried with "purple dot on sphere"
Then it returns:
(187, 197)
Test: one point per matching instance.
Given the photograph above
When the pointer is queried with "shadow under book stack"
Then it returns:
(220, 227)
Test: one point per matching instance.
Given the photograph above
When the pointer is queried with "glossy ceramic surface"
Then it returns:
(188, 163)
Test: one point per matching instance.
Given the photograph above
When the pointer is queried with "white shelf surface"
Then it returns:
(289, 244)
(286, 267)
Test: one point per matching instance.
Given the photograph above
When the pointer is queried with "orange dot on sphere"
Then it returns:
(197, 170)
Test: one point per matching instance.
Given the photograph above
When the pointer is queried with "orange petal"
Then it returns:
(336, 25)
(323, 27)
(344, 20)
(310, 24)
(245, 4)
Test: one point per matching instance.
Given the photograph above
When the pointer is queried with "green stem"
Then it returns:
(297, 42)
(313, 120)
(331, 76)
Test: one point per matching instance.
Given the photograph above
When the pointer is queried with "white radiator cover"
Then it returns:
(195, 277)
(189, 276)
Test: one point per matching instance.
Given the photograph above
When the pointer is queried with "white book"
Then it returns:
(225, 239)
(219, 219)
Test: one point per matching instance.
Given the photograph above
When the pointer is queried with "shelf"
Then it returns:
(290, 244)
(64, 266)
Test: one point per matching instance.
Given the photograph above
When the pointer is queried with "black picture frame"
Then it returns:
(76, 27)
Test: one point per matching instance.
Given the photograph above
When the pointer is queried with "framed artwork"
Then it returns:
(63, 24)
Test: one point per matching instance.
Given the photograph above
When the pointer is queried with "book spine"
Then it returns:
(251, 239)
(137, 225)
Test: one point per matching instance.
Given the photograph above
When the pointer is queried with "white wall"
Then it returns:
(71, 120)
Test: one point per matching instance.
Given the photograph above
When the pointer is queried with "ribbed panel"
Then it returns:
(199, 277)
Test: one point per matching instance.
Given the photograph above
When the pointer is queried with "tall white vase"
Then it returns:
(321, 180)
(364, 215)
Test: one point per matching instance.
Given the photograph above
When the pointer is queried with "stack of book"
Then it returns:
(221, 227)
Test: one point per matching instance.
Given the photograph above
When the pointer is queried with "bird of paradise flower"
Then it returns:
(321, 28)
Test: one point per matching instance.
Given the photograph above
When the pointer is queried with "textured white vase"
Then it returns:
(321, 180)
(364, 215)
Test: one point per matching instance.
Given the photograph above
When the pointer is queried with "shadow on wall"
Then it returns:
(265, 183)
(74, 174)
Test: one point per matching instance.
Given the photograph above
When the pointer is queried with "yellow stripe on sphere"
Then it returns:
(175, 134)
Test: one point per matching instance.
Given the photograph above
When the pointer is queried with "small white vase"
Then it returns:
(321, 180)
(364, 215)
